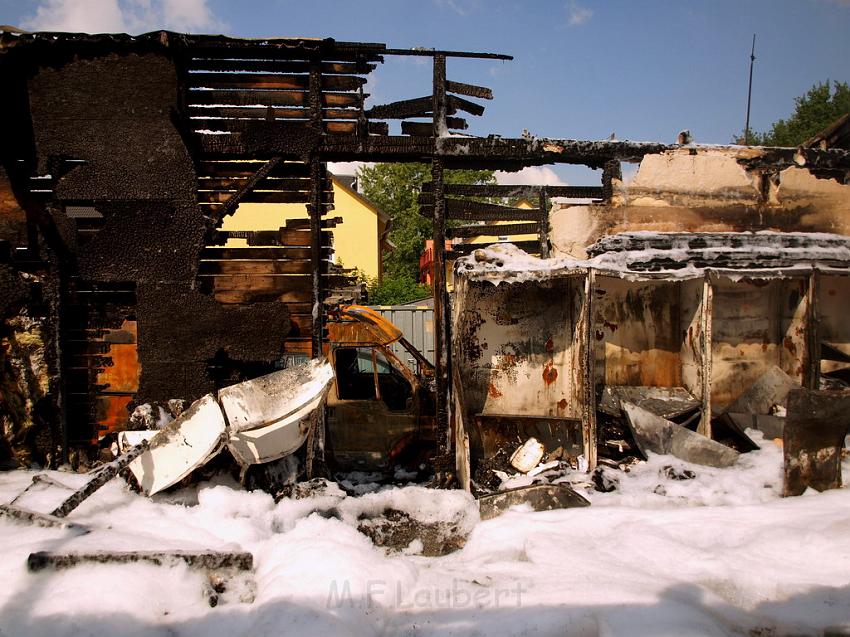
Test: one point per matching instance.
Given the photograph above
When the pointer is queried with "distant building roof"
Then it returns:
(836, 135)
(348, 183)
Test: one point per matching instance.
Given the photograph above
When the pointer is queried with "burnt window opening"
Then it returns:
(87, 220)
(366, 374)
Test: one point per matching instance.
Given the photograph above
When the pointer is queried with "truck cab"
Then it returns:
(380, 411)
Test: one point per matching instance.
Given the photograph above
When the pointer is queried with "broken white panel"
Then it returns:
(274, 441)
(181, 447)
(274, 397)
(129, 439)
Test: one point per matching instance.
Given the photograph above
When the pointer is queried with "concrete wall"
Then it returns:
(706, 190)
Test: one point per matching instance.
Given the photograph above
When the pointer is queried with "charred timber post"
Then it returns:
(315, 210)
(543, 230)
(103, 476)
(441, 339)
(811, 362)
(610, 172)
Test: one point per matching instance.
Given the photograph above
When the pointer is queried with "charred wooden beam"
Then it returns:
(273, 98)
(261, 252)
(470, 210)
(281, 184)
(315, 210)
(230, 204)
(459, 104)
(247, 168)
(40, 519)
(104, 475)
(268, 112)
(220, 198)
(447, 54)
(416, 107)
(610, 172)
(462, 249)
(469, 89)
(543, 229)
(424, 128)
(282, 237)
(278, 66)
(264, 81)
(494, 230)
(211, 560)
(519, 191)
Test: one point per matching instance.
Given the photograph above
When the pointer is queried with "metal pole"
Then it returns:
(750, 93)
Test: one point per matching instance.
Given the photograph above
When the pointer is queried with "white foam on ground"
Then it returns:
(721, 554)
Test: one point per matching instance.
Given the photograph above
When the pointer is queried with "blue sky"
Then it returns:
(582, 69)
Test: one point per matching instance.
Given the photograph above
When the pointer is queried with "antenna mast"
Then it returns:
(750, 93)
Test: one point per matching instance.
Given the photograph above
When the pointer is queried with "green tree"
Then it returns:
(395, 189)
(396, 290)
(813, 112)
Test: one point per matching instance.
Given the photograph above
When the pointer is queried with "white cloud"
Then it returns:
(122, 16)
(461, 7)
(531, 176)
(577, 14)
(346, 167)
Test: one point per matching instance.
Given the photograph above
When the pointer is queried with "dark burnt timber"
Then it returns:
(518, 191)
(212, 560)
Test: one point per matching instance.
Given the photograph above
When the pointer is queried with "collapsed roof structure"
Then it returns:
(121, 156)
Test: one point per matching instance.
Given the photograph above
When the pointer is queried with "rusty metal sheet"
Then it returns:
(666, 402)
(770, 389)
(814, 433)
(661, 436)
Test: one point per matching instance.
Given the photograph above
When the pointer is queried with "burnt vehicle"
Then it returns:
(380, 411)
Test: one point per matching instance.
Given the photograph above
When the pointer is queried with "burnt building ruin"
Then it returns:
(122, 155)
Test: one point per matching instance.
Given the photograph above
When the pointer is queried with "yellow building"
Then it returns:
(359, 241)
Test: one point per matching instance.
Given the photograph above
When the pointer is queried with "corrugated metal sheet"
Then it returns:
(416, 323)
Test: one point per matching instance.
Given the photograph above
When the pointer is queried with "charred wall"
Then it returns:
(106, 128)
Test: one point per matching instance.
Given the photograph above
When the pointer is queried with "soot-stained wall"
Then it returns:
(118, 113)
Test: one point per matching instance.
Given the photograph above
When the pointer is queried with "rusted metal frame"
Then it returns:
(543, 227)
(706, 312)
(588, 372)
(229, 206)
(812, 357)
